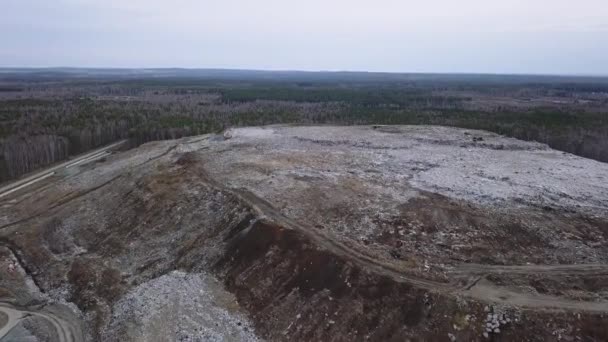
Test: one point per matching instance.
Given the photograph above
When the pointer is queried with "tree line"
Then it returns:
(49, 123)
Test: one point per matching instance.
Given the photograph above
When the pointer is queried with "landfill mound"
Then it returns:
(311, 233)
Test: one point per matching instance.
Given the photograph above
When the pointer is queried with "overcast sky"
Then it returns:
(487, 36)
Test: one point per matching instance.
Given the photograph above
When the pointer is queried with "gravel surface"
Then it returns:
(179, 307)
(447, 160)
(300, 223)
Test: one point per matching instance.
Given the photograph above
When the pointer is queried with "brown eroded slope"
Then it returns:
(323, 233)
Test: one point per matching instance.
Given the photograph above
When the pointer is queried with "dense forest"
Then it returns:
(47, 115)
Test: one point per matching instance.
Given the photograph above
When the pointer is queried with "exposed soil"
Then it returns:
(319, 233)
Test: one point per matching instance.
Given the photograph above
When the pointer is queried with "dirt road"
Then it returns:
(47, 172)
(545, 270)
(66, 331)
(305, 223)
(481, 290)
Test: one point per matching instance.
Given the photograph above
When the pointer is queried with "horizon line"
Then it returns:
(599, 75)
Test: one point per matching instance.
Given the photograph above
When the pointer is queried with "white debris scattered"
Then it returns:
(179, 307)
(494, 321)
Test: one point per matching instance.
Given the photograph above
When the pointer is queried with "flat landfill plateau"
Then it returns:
(320, 233)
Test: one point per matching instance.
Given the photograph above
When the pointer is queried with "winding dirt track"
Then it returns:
(66, 331)
(12, 318)
(545, 270)
(480, 289)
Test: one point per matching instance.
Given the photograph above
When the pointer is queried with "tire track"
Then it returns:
(66, 331)
(545, 270)
(481, 289)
